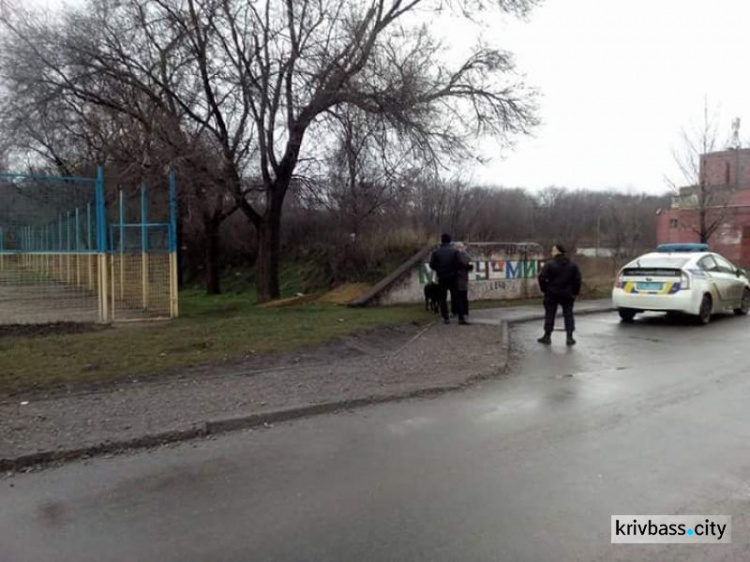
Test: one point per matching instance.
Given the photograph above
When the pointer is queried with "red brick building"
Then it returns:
(727, 175)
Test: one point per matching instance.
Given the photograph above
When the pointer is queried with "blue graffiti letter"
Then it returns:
(512, 272)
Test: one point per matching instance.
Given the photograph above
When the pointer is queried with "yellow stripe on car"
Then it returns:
(631, 287)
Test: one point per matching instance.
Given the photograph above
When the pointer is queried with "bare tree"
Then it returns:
(438, 204)
(709, 201)
(96, 87)
(562, 216)
(299, 61)
(498, 214)
(630, 222)
(368, 168)
(261, 78)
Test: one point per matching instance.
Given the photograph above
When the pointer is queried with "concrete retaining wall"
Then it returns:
(501, 271)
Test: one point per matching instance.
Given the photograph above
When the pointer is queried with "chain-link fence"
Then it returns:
(63, 258)
(140, 275)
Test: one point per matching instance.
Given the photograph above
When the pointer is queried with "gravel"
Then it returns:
(382, 363)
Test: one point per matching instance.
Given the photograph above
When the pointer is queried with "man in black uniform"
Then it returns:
(445, 262)
(560, 281)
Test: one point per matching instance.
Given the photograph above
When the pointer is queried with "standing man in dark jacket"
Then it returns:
(560, 281)
(445, 263)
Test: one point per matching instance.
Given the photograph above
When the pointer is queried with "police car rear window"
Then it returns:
(659, 262)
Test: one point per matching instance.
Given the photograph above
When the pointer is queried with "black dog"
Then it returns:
(432, 297)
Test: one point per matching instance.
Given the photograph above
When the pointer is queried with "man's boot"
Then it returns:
(570, 340)
(545, 339)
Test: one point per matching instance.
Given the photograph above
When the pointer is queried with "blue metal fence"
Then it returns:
(65, 254)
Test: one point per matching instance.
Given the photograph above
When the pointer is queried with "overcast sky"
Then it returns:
(619, 79)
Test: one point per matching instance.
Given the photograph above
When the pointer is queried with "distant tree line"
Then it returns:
(402, 223)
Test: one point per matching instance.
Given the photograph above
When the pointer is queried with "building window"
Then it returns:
(727, 173)
(674, 223)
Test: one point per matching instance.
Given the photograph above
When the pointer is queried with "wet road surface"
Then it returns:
(650, 418)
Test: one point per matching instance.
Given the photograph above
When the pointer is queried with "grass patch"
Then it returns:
(211, 330)
(295, 277)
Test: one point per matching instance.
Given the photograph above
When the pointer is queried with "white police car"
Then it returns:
(684, 278)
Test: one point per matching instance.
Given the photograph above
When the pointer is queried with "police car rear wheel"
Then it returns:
(744, 305)
(705, 311)
(626, 314)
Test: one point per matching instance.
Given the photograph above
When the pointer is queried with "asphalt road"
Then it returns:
(650, 418)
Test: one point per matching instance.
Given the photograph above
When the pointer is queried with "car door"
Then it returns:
(735, 282)
(719, 280)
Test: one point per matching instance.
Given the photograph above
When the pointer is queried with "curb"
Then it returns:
(585, 312)
(217, 427)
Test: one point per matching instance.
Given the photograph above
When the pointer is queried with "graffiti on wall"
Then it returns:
(487, 288)
(493, 270)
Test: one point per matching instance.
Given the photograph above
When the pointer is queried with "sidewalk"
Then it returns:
(361, 370)
(533, 312)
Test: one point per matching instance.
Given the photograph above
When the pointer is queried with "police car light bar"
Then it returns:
(687, 247)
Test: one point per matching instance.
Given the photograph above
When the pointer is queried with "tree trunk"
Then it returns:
(269, 249)
(702, 227)
(211, 257)
(269, 225)
(704, 203)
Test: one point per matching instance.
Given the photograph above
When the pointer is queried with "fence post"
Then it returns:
(174, 305)
(47, 248)
(122, 246)
(101, 227)
(59, 275)
(89, 248)
(78, 248)
(144, 246)
(68, 248)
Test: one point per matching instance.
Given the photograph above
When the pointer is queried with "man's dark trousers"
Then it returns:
(550, 311)
(447, 285)
(462, 304)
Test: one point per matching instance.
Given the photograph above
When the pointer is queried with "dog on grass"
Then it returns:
(432, 297)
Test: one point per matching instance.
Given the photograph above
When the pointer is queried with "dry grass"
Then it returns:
(212, 330)
(346, 293)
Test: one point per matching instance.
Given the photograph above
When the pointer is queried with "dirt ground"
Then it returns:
(380, 363)
(24, 299)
